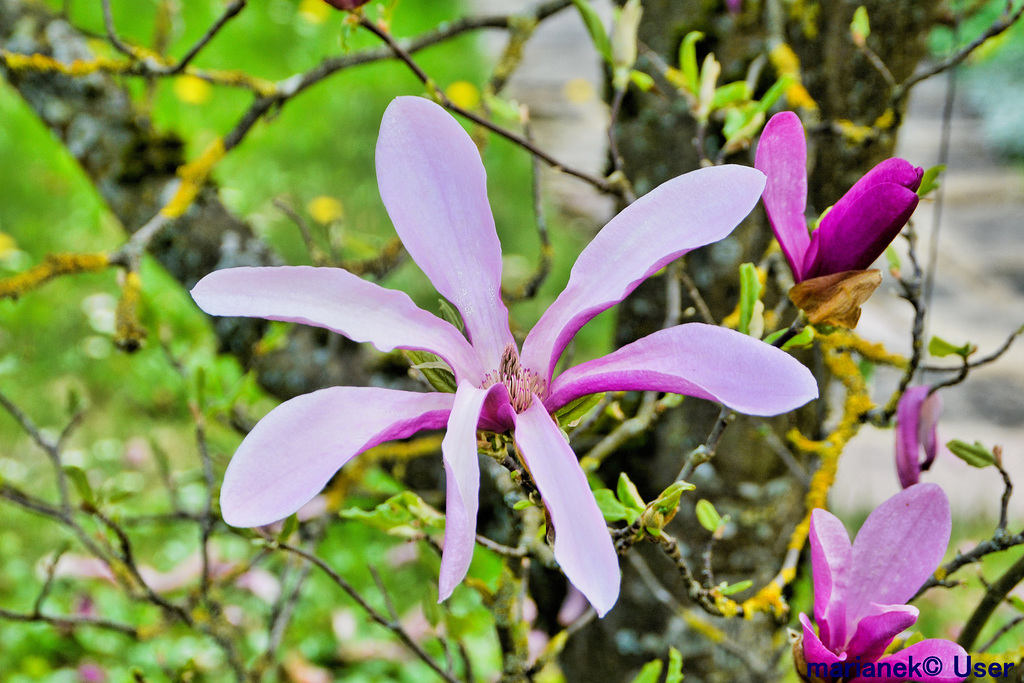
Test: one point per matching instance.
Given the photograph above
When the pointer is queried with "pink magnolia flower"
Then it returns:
(434, 187)
(860, 225)
(860, 591)
(346, 4)
(917, 415)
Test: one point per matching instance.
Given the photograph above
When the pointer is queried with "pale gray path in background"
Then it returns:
(979, 293)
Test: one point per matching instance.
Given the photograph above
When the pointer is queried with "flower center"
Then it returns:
(521, 383)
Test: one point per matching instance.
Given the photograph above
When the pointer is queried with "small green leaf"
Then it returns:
(940, 348)
(669, 498)
(641, 80)
(930, 180)
(572, 412)
(80, 481)
(650, 673)
(595, 28)
(433, 612)
(730, 93)
(860, 27)
(750, 293)
(709, 73)
(708, 516)
(502, 107)
(975, 455)
(628, 494)
(434, 369)
(736, 588)
(404, 515)
(675, 666)
(449, 313)
(611, 509)
(289, 527)
(1017, 602)
(892, 258)
(800, 340)
(688, 60)
(774, 93)
(525, 503)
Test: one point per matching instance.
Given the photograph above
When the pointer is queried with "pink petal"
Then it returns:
(682, 214)
(293, 452)
(339, 301)
(947, 653)
(435, 189)
(462, 474)
(853, 234)
(897, 549)
(875, 631)
(814, 650)
(697, 360)
(782, 157)
(583, 546)
(830, 559)
(916, 418)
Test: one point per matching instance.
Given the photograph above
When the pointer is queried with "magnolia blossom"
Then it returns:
(916, 418)
(346, 4)
(860, 591)
(433, 185)
(854, 232)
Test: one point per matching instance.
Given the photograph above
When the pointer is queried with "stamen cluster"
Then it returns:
(521, 383)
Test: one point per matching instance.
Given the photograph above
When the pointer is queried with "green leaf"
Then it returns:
(669, 498)
(708, 516)
(595, 28)
(628, 494)
(940, 348)
(641, 80)
(650, 673)
(860, 27)
(736, 588)
(975, 455)
(892, 258)
(675, 666)
(434, 369)
(572, 412)
(750, 293)
(688, 60)
(800, 340)
(80, 481)
(449, 313)
(526, 503)
(774, 93)
(1017, 602)
(433, 611)
(611, 509)
(730, 93)
(404, 515)
(930, 180)
(289, 527)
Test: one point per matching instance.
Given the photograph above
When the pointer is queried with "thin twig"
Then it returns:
(108, 23)
(230, 12)
(374, 615)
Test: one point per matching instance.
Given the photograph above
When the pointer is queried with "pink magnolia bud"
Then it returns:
(346, 4)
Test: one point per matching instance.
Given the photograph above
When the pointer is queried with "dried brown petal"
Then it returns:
(835, 299)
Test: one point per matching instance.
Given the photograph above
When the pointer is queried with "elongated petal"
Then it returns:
(916, 418)
(583, 546)
(782, 157)
(875, 631)
(815, 651)
(682, 214)
(462, 476)
(339, 301)
(853, 234)
(948, 655)
(435, 189)
(897, 549)
(830, 559)
(697, 360)
(293, 452)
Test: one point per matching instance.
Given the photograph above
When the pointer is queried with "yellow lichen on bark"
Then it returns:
(54, 265)
(193, 175)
